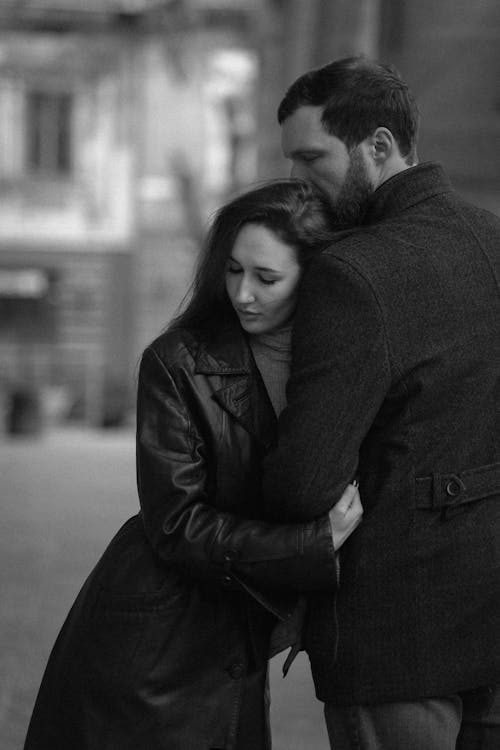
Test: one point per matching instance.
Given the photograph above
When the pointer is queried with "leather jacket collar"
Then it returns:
(243, 395)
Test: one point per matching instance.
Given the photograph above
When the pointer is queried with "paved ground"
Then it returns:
(62, 497)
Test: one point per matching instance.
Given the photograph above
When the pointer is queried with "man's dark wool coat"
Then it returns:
(396, 378)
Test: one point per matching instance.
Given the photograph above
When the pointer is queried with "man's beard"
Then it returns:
(351, 201)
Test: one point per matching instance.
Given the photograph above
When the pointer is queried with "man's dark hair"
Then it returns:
(358, 95)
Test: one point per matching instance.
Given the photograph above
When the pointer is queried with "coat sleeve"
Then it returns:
(182, 524)
(340, 376)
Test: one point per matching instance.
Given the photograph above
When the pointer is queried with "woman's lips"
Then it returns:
(247, 313)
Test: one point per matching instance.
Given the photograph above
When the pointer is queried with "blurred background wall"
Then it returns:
(124, 123)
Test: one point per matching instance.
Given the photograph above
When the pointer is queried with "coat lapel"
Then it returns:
(242, 394)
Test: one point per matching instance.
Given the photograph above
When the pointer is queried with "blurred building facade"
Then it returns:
(118, 133)
(123, 124)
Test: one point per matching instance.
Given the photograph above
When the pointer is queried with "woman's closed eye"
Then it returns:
(267, 280)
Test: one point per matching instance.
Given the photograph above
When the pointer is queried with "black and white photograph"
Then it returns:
(250, 375)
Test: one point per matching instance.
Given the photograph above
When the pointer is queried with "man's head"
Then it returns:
(347, 127)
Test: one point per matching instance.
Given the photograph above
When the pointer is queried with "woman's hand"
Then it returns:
(345, 515)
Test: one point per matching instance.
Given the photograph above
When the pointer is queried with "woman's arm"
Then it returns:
(182, 525)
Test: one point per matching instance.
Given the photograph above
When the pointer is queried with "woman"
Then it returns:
(166, 646)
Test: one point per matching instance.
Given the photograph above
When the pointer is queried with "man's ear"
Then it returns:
(383, 145)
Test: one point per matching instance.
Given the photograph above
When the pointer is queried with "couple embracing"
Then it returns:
(318, 463)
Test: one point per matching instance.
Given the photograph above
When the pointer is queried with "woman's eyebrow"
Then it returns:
(267, 269)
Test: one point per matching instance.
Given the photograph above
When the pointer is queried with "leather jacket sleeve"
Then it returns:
(182, 524)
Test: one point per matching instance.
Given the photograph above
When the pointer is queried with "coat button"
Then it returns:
(227, 581)
(228, 557)
(236, 670)
(453, 488)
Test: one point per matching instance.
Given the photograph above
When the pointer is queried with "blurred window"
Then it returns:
(27, 309)
(49, 132)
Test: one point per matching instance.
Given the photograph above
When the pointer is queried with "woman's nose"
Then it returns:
(244, 292)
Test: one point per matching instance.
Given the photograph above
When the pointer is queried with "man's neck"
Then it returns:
(390, 170)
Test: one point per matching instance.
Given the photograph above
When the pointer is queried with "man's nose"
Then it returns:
(296, 172)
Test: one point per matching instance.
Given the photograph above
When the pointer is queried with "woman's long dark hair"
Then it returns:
(293, 209)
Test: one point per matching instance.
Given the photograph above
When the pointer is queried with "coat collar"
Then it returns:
(224, 352)
(227, 355)
(406, 189)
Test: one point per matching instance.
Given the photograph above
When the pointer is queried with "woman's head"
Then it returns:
(262, 277)
(278, 227)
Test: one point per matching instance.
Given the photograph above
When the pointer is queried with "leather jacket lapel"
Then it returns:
(245, 398)
(243, 393)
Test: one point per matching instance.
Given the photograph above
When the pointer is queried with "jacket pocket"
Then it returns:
(112, 603)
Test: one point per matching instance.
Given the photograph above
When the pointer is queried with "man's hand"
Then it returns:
(345, 515)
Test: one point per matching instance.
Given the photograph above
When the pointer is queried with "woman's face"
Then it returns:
(262, 275)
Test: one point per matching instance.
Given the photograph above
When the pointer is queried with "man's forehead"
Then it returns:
(304, 118)
(304, 131)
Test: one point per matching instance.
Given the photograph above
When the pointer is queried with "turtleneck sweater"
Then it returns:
(272, 353)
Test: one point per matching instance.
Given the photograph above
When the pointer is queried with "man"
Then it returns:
(396, 379)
